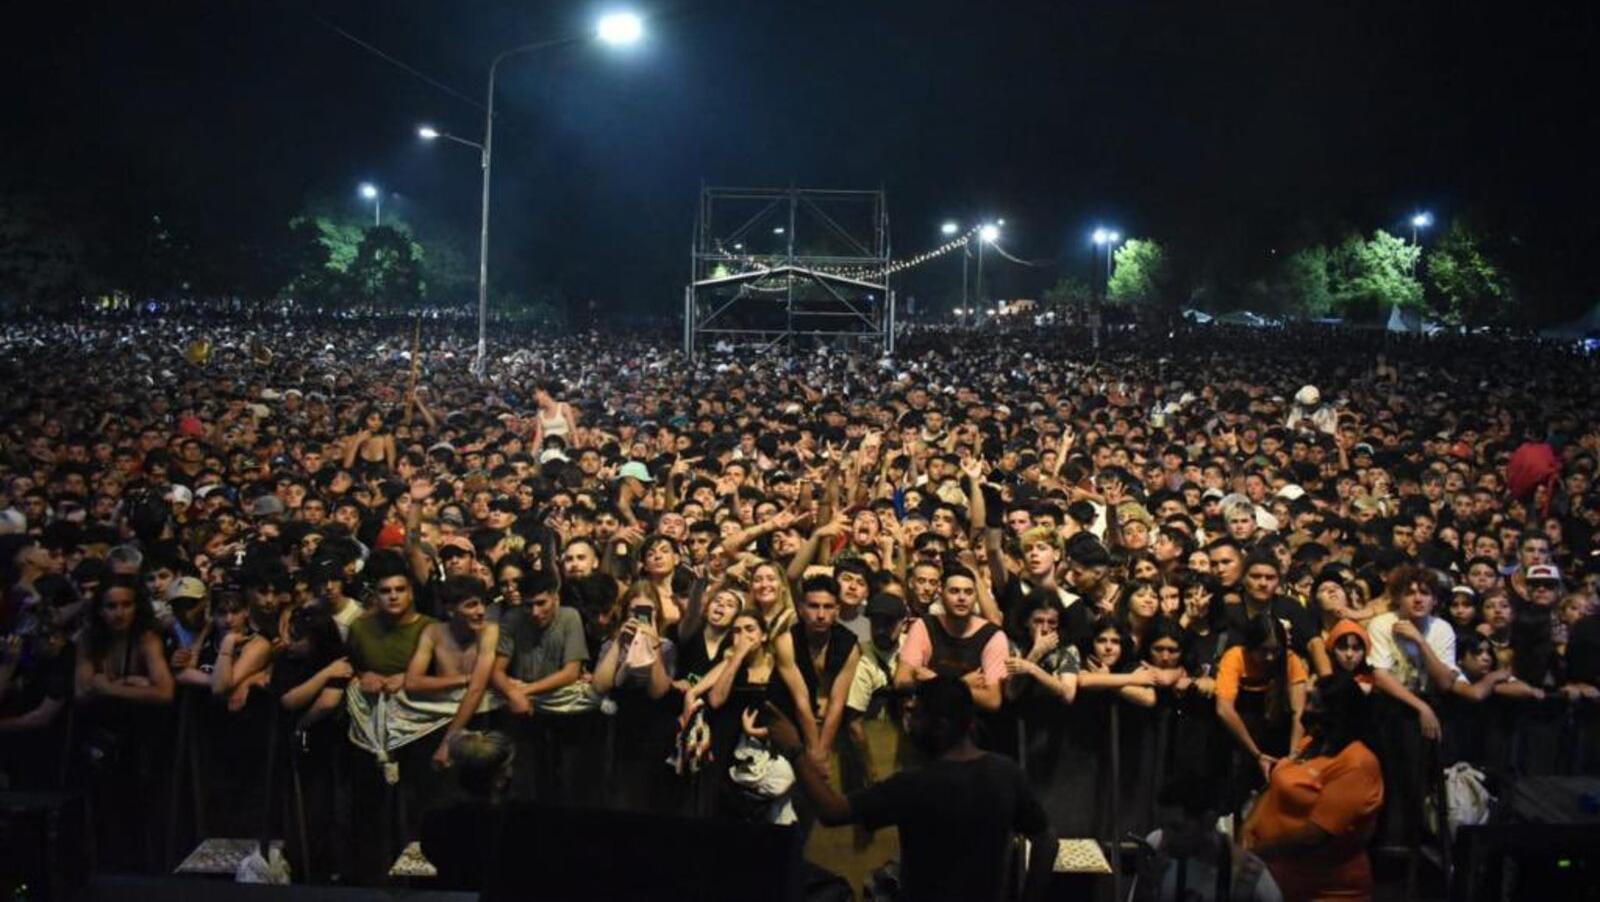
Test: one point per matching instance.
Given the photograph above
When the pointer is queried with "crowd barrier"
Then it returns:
(198, 771)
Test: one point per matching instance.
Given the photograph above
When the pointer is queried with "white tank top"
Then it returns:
(556, 425)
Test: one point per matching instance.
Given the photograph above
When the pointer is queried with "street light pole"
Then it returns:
(966, 255)
(616, 29)
(1419, 222)
(987, 233)
(983, 302)
(1104, 239)
(375, 194)
(480, 362)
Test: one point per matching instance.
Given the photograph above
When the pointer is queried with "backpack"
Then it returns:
(1466, 797)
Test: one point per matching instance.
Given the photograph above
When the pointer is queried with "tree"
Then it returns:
(312, 278)
(449, 268)
(1139, 273)
(41, 257)
(1469, 287)
(1303, 278)
(1069, 294)
(387, 270)
(1366, 276)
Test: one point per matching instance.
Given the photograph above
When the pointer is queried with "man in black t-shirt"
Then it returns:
(956, 815)
(1262, 577)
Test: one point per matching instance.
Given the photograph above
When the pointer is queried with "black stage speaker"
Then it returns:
(556, 854)
(42, 845)
(1542, 845)
(199, 889)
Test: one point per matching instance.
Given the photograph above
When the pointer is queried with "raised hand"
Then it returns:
(972, 468)
(839, 525)
(1115, 492)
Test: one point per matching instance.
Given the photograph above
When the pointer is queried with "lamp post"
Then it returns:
(371, 192)
(1419, 221)
(988, 233)
(616, 29)
(1106, 240)
(949, 228)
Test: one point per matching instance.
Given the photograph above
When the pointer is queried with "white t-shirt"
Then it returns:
(344, 618)
(1402, 657)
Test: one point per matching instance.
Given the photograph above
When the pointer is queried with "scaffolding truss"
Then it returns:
(789, 269)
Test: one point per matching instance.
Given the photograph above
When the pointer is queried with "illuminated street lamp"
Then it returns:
(950, 228)
(614, 29)
(1106, 240)
(1419, 222)
(370, 192)
(620, 29)
(988, 233)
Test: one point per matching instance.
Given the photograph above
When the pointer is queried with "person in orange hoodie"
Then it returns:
(1321, 805)
(1347, 646)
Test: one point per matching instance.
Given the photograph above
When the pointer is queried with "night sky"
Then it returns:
(1223, 129)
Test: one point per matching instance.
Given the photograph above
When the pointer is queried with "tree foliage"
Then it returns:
(387, 269)
(1468, 287)
(1070, 293)
(1139, 273)
(308, 262)
(1366, 276)
(1303, 276)
(41, 257)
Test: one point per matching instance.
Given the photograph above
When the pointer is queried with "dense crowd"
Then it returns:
(610, 575)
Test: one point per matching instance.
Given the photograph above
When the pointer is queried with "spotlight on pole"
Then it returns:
(1101, 236)
(1422, 220)
(950, 228)
(369, 190)
(990, 233)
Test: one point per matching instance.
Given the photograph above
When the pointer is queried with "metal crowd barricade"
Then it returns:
(1507, 739)
(186, 769)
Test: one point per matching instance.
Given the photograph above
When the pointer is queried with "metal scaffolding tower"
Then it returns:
(791, 268)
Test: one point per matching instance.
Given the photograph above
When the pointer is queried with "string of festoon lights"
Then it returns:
(864, 273)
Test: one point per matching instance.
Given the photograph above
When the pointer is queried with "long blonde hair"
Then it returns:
(783, 615)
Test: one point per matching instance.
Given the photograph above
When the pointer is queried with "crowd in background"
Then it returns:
(583, 578)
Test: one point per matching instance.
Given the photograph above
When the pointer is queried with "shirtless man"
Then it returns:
(456, 653)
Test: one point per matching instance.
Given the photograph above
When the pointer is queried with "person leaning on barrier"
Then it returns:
(956, 643)
(541, 646)
(456, 655)
(538, 669)
(1261, 686)
(1413, 653)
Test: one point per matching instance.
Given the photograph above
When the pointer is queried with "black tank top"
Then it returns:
(953, 657)
(840, 643)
